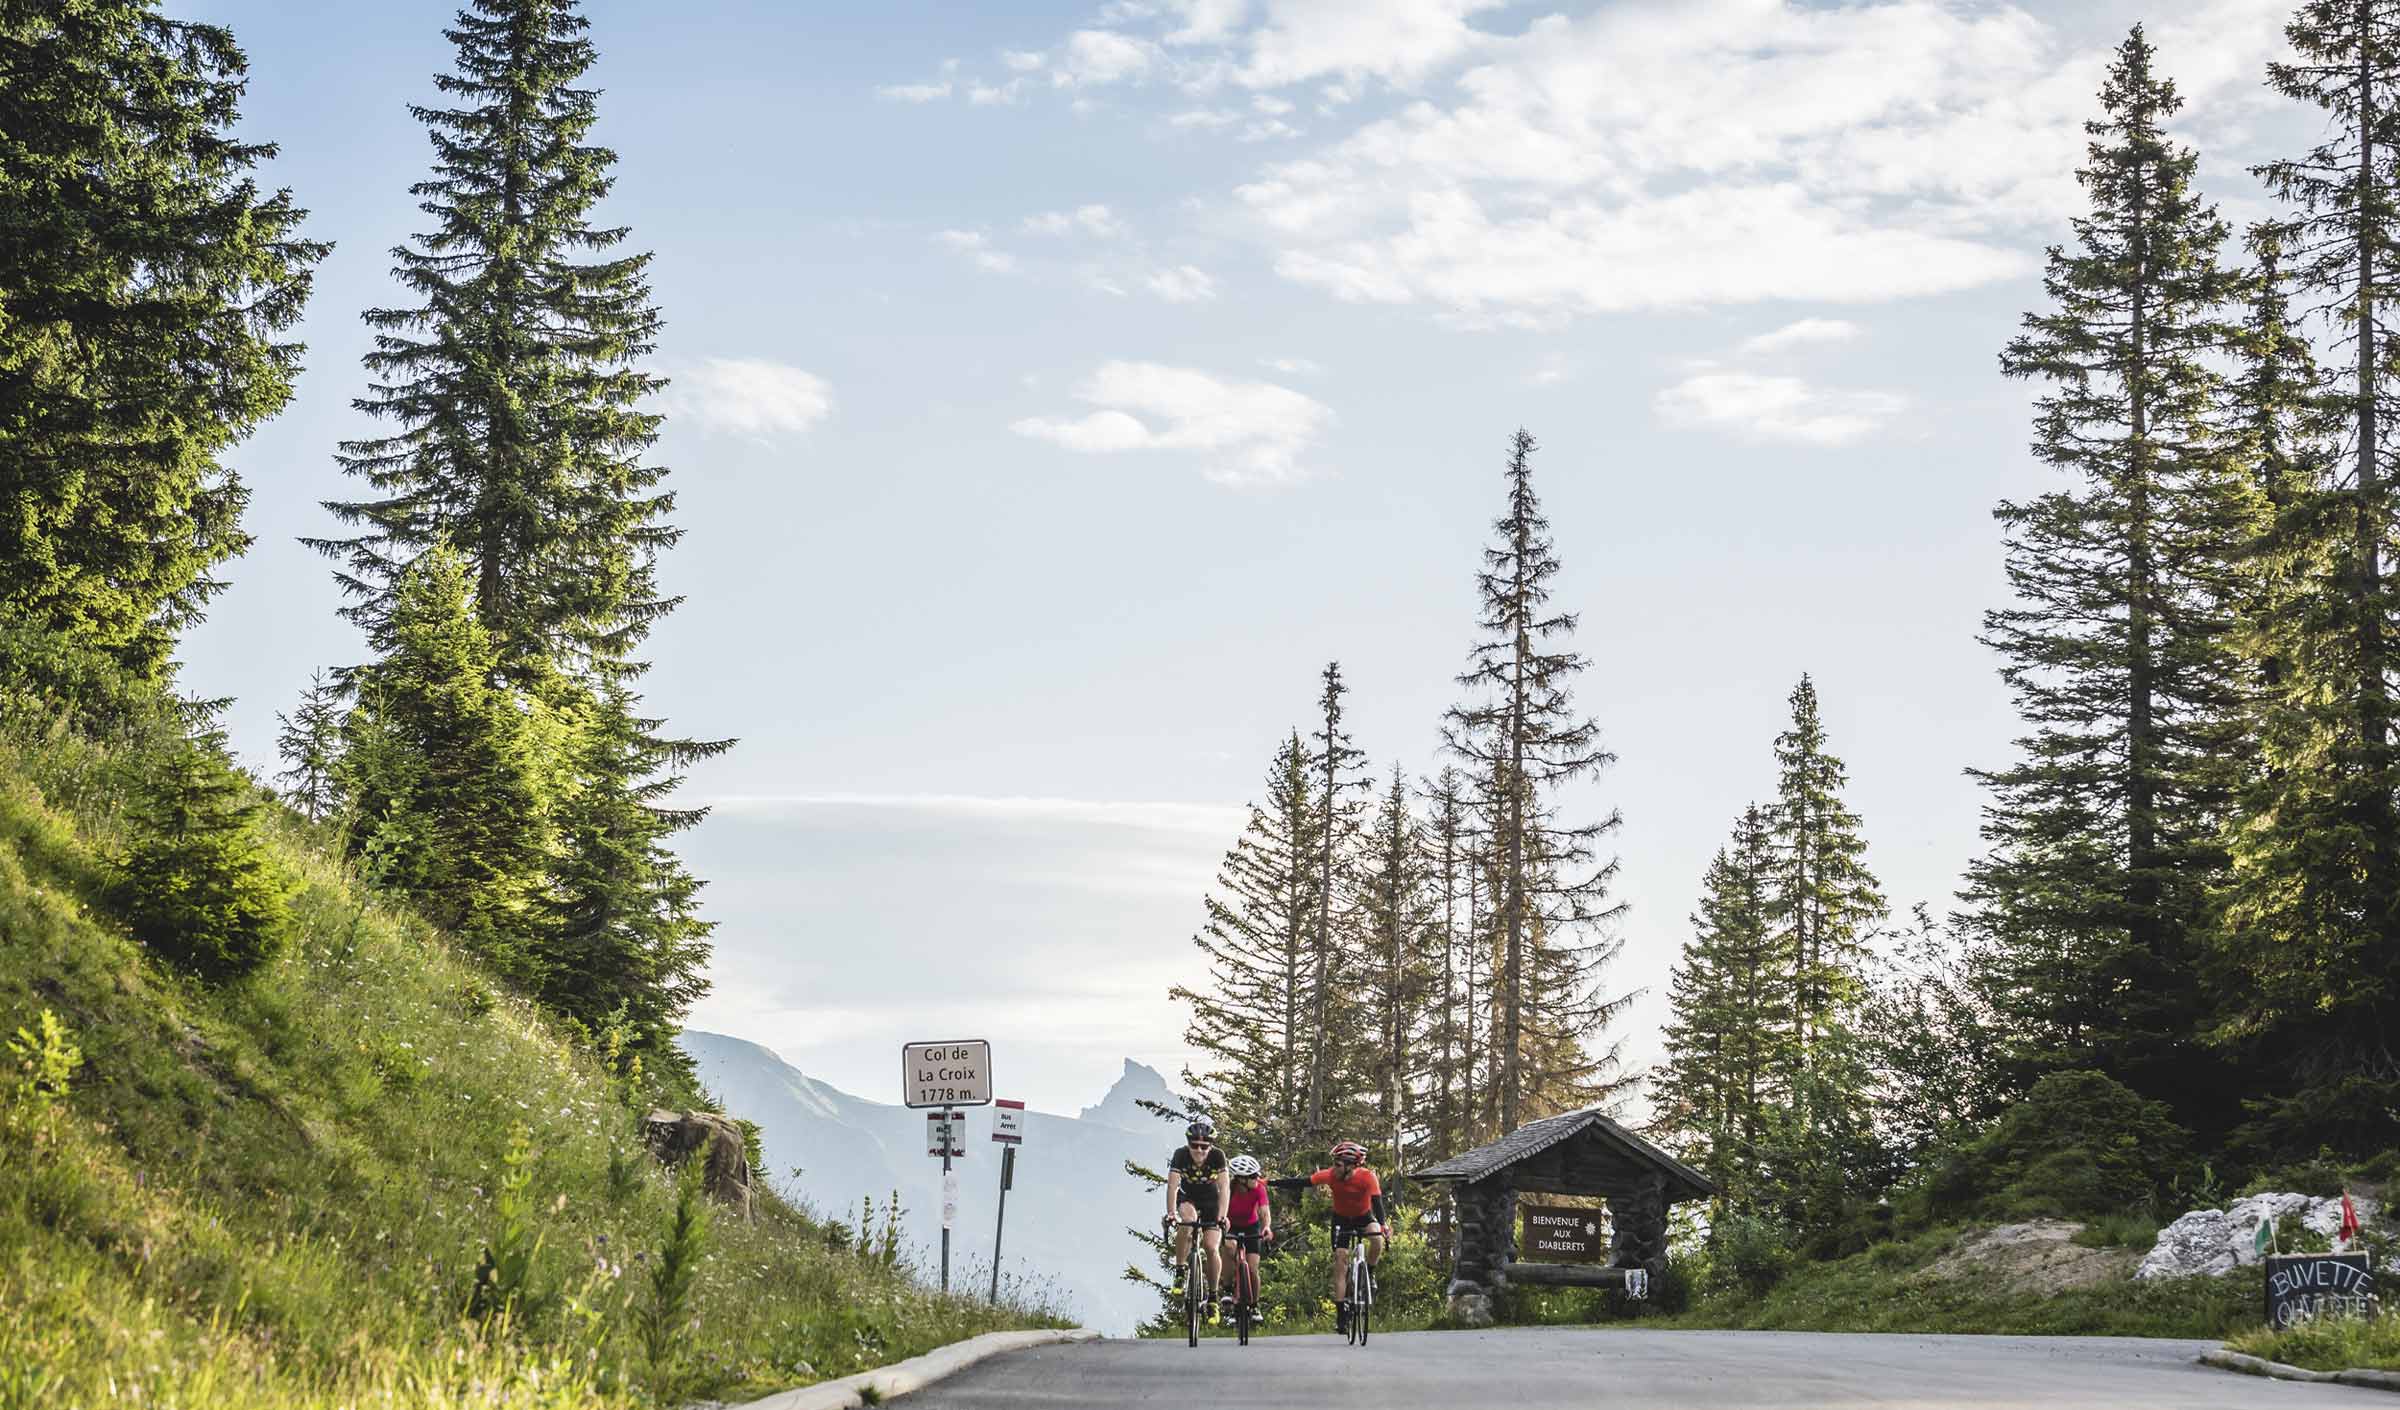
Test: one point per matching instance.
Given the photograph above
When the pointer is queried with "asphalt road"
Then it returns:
(1553, 1368)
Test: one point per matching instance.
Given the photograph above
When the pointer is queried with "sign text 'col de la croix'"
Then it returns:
(953, 1072)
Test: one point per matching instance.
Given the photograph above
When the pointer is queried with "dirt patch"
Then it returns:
(2034, 1257)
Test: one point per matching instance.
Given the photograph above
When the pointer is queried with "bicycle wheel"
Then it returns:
(1364, 1296)
(1191, 1296)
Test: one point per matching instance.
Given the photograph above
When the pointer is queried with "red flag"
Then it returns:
(2349, 1220)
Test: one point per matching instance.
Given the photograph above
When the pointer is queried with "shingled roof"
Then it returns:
(1534, 1137)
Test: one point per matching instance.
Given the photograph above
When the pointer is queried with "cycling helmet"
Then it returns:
(1201, 1130)
(1245, 1166)
(1349, 1153)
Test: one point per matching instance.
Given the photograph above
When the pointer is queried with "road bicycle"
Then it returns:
(1362, 1290)
(1245, 1290)
(1194, 1274)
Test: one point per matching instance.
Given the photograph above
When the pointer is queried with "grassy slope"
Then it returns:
(277, 1194)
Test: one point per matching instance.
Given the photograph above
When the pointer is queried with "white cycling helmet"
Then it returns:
(1244, 1165)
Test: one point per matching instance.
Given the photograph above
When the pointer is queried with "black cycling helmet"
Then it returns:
(1201, 1129)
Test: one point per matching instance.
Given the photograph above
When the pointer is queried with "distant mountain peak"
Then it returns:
(1122, 1108)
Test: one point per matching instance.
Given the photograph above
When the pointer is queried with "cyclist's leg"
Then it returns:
(1374, 1249)
(1341, 1265)
(1212, 1239)
(1184, 1215)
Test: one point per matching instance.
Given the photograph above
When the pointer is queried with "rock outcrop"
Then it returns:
(677, 1136)
(2039, 1256)
(2207, 1242)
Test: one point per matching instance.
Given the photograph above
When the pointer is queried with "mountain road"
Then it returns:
(1552, 1368)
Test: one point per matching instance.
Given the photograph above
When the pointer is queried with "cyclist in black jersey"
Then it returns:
(1196, 1186)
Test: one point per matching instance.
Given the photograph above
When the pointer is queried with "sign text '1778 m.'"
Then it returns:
(954, 1072)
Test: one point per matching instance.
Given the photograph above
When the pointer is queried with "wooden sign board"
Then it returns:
(2306, 1287)
(1558, 1234)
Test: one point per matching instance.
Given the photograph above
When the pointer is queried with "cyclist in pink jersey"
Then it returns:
(1249, 1221)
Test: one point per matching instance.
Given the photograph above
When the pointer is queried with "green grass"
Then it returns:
(1879, 1291)
(2333, 1345)
(276, 1194)
(2138, 1232)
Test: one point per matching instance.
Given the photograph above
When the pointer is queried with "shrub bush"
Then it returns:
(2079, 1144)
(198, 885)
(1747, 1256)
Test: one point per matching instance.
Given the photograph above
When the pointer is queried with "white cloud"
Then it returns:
(1211, 818)
(1094, 220)
(750, 397)
(986, 94)
(1394, 39)
(1094, 56)
(915, 92)
(977, 246)
(1184, 284)
(1755, 407)
(1208, 21)
(1022, 61)
(1659, 154)
(1252, 434)
(1296, 366)
(1792, 335)
(1205, 118)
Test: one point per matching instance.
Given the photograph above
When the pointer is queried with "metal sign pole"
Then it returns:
(1008, 1170)
(945, 1222)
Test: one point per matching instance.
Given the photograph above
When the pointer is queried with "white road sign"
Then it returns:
(946, 1133)
(1008, 1121)
(949, 1198)
(953, 1073)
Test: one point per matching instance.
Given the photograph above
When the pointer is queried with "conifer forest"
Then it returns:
(2170, 971)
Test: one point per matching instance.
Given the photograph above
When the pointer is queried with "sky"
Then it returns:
(1058, 388)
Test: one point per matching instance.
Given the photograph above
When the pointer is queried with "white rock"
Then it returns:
(2207, 1242)
(2198, 1245)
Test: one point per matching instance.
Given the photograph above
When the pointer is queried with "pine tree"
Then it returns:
(2311, 931)
(1826, 902)
(1520, 730)
(1396, 975)
(1250, 1022)
(198, 885)
(512, 380)
(146, 282)
(310, 744)
(620, 934)
(1341, 786)
(1930, 1038)
(1729, 1049)
(2104, 835)
(1449, 861)
(444, 768)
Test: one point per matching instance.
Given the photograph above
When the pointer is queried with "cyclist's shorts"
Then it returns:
(1203, 1202)
(1347, 1228)
(1244, 1237)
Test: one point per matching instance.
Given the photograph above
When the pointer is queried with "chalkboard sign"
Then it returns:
(1557, 1234)
(2303, 1287)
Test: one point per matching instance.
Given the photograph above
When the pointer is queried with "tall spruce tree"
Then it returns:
(1520, 730)
(1397, 969)
(1825, 901)
(445, 769)
(1730, 1051)
(2311, 933)
(512, 382)
(2103, 836)
(1250, 1021)
(309, 740)
(1341, 786)
(1449, 862)
(146, 282)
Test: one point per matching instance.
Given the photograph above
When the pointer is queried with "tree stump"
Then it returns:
(676, 1136)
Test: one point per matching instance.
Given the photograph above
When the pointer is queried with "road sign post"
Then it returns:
(947, 1073)
(1008, 1128)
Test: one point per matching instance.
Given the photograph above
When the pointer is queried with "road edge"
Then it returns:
(2225, 1358)
(916, 1373)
